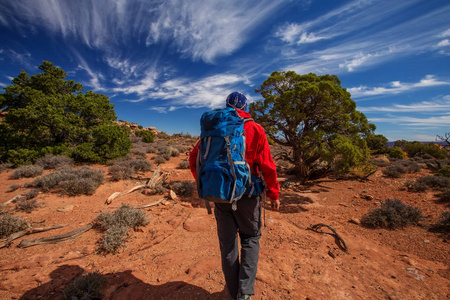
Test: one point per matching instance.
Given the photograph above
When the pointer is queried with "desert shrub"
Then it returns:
(443, 224)
(160, 159)
(31, 194)
(183, 188)
(381, 161)
(428, 182)
(121, 172)
(151, 149)
(394, 171)
(396, 152)
(13, 187)
(410, 166)
(183, 165)
(125, 168)
(444, 196)
(27, 205)
(116, 226)
(445, 171)
(392, 214)
(377, 143)
(140, 152)
(27, 172)
(5, 166)
(147, 136)
(50, 161)
(71, 181)
(10, 224)
(88, 286)
(421, 149)
(162, 135)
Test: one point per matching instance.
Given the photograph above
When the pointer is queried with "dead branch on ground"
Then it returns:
(156, 178)
(54, 239)
(30, 230)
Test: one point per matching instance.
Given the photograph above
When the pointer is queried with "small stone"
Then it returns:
(172, 195)
(65, 208)
(355, 221)
(426, 241)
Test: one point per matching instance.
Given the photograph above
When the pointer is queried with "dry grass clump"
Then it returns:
(183, 188)
(159, 159)
(116, 226)
(10, 224)
(71, 181)
(444, 196)
(401, 167)
(392, 214)
(428, 182)
(50, 161)
(27, 172)
(125, 168)
(183, 165)
(13, 187)
(27, 205)
(5, 166)
(88, 286)
(443, 224)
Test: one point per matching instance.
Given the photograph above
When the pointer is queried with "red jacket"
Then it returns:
(257, 151)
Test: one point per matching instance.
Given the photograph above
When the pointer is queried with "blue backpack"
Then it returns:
(223, 174)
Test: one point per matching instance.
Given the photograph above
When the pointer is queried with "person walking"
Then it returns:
(245, 221)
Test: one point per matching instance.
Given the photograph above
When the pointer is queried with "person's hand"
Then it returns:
(275, 204)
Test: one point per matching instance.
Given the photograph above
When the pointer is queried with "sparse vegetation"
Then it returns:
(394, 171)
(13, 187)
(27, 205)
(5, 166)
(444, 196)
(183, 188)
(50, 161)
(27, 172)
(183, 165)
(116, 226)
(392, 214)
(428, 182)
(160, 159)
(71, 181)
(88, 286)
(445, 171)
(443, 224)
(10, 224)
(125, 168)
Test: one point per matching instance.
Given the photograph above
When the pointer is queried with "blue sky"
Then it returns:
(163, 63)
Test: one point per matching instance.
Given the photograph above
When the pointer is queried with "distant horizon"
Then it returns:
(164, 63)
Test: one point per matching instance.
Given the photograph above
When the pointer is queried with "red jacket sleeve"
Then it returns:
(193, 160)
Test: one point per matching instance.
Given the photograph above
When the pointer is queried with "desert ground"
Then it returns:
(176, 256)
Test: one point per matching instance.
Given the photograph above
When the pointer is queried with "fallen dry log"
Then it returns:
(150, 204)
(151, 184)
(30, 230)
(14, 199)
(54, 239)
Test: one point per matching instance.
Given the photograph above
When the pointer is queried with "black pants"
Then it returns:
(246, 220)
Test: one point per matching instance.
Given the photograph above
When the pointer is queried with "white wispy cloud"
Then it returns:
(183, 92)
(201, 30)
(438, 105)
(362, 34)
(395, 87)
(434, 121)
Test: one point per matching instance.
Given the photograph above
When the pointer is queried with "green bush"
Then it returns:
(377, 143)
(445, 171)
(146, 135)
(392, 214)
(27, 172)
(47, 114)
(10, 224)
(84, 287)
(396, 153)
(421, 149)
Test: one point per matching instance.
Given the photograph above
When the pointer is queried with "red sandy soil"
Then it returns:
(176, 256)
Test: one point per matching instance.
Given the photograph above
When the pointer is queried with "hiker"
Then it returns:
(244, 219)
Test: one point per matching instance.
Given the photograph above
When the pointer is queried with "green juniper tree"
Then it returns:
(45, 113)
(315, 117)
